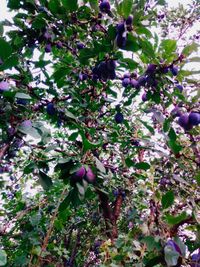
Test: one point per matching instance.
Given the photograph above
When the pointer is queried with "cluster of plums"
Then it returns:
(104, 70)
(188, 120)
(122, 28)
(85, 173)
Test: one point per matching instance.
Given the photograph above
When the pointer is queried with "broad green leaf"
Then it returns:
(94, 4)
(167, 200)
(189, 49)
(168, 46)
(172, 134)
(176, 148)
(151, 129)
(127, 7)
(142, 166)
(9, 63)
(129, 162)
(22, 96)
(5, 49)
(176, 219)
(70, 5)
(45, 180)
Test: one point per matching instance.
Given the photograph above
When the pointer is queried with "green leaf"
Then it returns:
(126, 7)
(176, 148)
(14, 4)
(142, 166)
(168, 46)
(45, 180)
(166, 125)
(132, 44)
(197, 177)
(172, 134)
(147, 48)
(3, 257)
(167, 200)
(129, 162)
(94, 4)
(189, 49)
(70, 5)
(22, 96)
(151, 129)
(5, 49)
(175, 219)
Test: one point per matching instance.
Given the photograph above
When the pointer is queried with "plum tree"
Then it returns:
(99, 153)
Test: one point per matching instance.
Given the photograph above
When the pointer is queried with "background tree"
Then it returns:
(99, 134)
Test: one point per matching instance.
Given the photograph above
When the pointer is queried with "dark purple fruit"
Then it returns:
(119, 117)
(164, 70)
(120, 28)
(129, 20)
(126, 82)
(22, 102)
(142, 81)
(144, 97)
(59, 45)
(4, 86)
(104, 6)
(48, 48)
(111, 65)
(112, 75)
(194, 118)
(195, 260)
(121, 41)
(90, 176)
(174, 246)
(126, 75)
(80, 46)
(151, 68)
(134, 83)
(183, 121)
(51, 109)
(78, 175)
(174, 70)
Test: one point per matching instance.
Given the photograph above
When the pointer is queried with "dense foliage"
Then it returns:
(99, 124)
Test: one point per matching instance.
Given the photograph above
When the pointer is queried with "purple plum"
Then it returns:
(80, 46)
(104, 6)
(120, 28)
(48, 48)
(144, 97)
(121, 40)
(174, 70)
(4, 86)
(151, 68)
(126, 82)
(129, 20)
(183, 121)
(90, 176)
(194, 118)
(119, 117)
